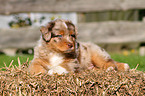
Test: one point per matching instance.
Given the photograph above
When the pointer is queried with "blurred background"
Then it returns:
(116, 25)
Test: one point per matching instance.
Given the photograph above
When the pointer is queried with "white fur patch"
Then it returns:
(57, 69)
(55, 60)
(40, 41)
(65, 25)
(110, 68)
(126, 67)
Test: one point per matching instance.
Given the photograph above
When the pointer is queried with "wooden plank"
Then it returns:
(100, 33)
(112, 32)
(21, 38)
(16, 6)
(112, 36)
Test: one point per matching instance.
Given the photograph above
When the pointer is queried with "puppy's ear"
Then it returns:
(72, 26)
(45, 33)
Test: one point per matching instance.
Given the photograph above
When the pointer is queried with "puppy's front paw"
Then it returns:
(57, 70)
(110, 68)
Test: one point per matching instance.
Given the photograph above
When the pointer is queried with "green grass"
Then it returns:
(131, 59)
(7, 59)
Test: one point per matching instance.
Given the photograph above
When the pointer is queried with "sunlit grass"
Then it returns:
(8, 59)
(132, 59)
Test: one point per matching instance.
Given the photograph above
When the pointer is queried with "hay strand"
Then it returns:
(18, 82)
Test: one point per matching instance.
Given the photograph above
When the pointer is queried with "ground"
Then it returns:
(17, 81)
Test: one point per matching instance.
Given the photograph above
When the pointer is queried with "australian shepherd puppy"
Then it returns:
(59, 52)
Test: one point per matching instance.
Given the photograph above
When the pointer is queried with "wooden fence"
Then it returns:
(104, 33)
(16, 6)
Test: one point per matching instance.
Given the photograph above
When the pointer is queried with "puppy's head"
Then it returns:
(60, 34)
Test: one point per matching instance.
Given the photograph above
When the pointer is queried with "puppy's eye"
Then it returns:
(74, 36)
(58, 35)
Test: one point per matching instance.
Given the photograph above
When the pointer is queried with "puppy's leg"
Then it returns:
(122, 66)
(102, 60)
(109, 64)
(38, 66)
(118, 66)
(101, 63)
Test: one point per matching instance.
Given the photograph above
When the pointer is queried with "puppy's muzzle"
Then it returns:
(70, 45)
(71, 48)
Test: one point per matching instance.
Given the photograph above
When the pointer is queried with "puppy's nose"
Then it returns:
(70, 45)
